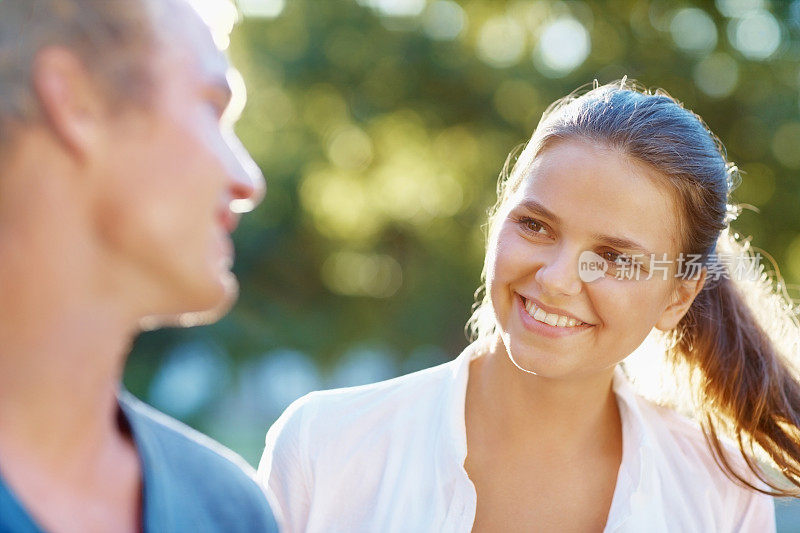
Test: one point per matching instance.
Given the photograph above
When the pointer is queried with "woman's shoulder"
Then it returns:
(687, 461)
(676, 436)
(344, 410)
(679, 433)
(350, 440)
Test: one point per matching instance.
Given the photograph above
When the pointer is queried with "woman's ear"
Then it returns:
(684, 294)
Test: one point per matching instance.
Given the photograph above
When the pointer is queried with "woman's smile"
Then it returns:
(553, 325)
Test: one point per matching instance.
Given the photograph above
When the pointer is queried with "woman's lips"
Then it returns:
(546, 329)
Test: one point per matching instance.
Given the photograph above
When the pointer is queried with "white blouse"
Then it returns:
(389, 456)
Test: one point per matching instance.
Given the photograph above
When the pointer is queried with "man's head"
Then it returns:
(124, 103)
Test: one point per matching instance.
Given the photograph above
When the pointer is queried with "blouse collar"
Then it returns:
(637, 480)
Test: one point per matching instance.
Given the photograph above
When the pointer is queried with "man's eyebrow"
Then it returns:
(537, 208)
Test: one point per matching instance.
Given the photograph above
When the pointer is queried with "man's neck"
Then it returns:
(59, 375)
(63, 336)
(62, 451)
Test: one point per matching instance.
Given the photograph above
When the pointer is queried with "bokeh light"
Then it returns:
(717, 75)
(501, 42)
(738, 8)
(262, 8)
(358, 274)
(364, 364)
(757, 35)
(786, 145)
(277, 379)
(348, 147)
(444, 20)
(192, 375)
(693, 30)
(396, 8)
(563, 46)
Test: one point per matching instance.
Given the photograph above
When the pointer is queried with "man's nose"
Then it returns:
(559, 273)
(247, 183)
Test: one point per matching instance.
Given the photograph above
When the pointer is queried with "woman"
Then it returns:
(612, 224)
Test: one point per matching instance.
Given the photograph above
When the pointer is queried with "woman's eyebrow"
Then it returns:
(621, 242)
(537, 208)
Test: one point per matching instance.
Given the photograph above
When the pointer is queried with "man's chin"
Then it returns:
(230, 293)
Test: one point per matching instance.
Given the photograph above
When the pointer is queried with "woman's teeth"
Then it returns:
(551, 319)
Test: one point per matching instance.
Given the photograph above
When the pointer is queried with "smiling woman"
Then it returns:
(612, 225)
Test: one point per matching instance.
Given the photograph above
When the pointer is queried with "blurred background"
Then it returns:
(382, 125)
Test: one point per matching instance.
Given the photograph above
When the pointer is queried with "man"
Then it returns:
(118, 170)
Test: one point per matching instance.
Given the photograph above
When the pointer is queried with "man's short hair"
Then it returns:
(111, 37)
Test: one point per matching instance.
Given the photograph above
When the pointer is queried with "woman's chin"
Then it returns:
(536, 361)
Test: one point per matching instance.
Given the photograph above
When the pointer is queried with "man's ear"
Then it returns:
(683, 296)
(69, 99)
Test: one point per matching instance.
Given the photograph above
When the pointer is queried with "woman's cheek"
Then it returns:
(613, 300)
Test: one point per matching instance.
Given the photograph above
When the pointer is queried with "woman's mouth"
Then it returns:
(551, 319)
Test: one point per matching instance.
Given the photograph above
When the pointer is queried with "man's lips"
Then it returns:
(228, 220)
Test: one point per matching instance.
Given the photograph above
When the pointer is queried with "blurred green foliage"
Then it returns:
(382, 125)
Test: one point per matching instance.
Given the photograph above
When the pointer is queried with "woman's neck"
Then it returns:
(521, 410)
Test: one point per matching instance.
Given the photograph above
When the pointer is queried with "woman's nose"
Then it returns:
(559, 272)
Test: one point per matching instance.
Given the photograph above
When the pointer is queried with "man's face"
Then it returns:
(174, 171)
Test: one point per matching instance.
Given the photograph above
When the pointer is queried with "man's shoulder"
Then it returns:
(193, 468)
(178, 441)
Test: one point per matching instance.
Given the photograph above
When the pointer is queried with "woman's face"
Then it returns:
(578, 198)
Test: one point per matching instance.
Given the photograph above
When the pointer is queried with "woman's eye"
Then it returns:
(533, 225)
(617, 258)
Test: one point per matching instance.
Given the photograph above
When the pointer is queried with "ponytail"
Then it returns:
(743, 384)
